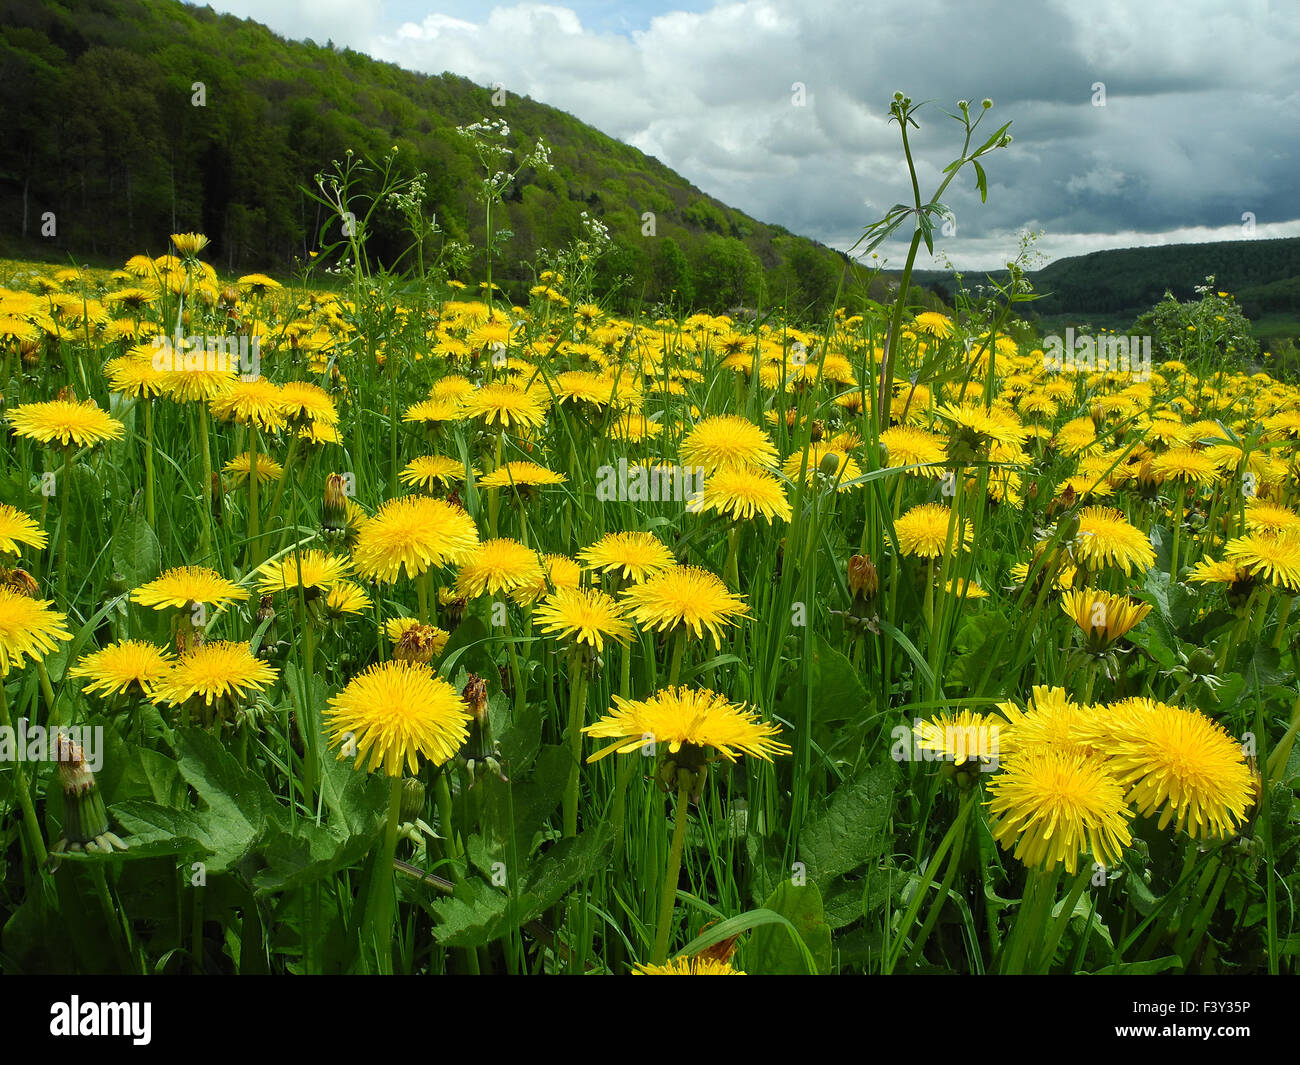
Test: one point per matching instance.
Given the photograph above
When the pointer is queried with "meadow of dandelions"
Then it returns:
(406, 653)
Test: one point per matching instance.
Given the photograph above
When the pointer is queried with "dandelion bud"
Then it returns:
(863, 579)
(412, 802)
(335, 512)
(987, 103)
(830, 464)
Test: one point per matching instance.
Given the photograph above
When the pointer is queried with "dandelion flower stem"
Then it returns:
(577, 708)
(30, 823)
(668, 897)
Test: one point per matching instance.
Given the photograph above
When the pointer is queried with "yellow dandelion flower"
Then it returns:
(28, 629)
(1052, 805)
(924, 531)
(1106, 538)
(17, 528)
(521, 474)
(727, 439)
(583, 615)
(1102, 617)
(184, 585)
(410, 535)
(123, 666)
(680, 716)
(1180, 761)
(635, 556)
(687, 596)
(309, 570)
(742, 492)
(394, 713)
(426, 470)
(499, 565)
(220, 670)
(82, 424)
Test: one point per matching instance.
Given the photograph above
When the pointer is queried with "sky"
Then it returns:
(1133, 123)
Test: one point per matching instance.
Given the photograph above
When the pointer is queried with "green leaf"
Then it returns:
(849, 828)
(1141, 968)
(136, 554)
(772, 952)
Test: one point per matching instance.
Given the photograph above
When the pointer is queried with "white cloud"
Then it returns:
(1195, 130)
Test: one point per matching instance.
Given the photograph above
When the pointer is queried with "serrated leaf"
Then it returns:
(849, 828)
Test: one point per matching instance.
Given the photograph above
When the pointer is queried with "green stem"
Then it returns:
(30, 823)
(668, 896)
(577, 713)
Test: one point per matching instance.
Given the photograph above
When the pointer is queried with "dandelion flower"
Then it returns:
(960, 737)
(1106, 538)
(1185, 465)
(1052, 805)
(635, 556)
(310, 570)
(395, 712)
(17, 528)
(678, 716)
(410, 535)
(426, 470)
(120, 666)
(184, 585)
(583, 615)
(505, 404)
(688, 596)
(346, 597)
(82, 424)
(924, 531)
(1180, 761)
(28, 629)
(1102, 617)
(742, 492)
(1261, 554)
(216, 671)
(697, 965)
(267, 469)
(499, 565)
(521, 474)
(727, 439)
